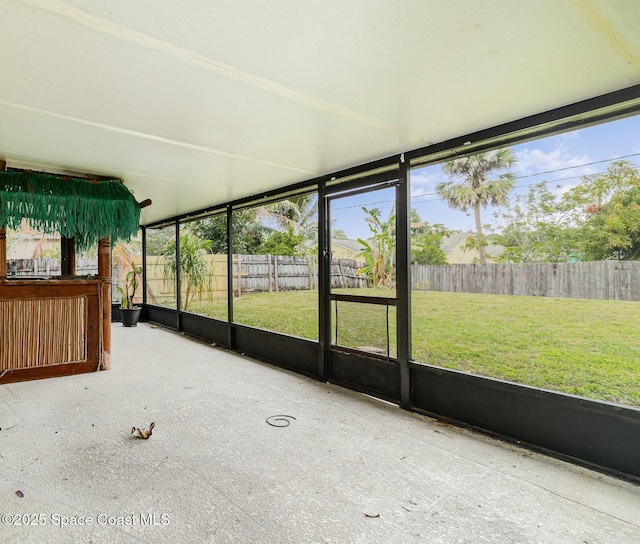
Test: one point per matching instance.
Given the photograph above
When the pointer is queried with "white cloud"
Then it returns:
(424, 182)
(558, 163)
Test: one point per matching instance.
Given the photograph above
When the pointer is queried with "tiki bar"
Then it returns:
(60, 325)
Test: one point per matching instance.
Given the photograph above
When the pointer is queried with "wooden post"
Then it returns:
(239, 270)
(3, 240)
(104, 271)
(275, 271)
(343, 282)
(269, 272)
(68, 256)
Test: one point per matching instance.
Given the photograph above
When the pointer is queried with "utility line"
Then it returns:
(579, 166)
(434, 193)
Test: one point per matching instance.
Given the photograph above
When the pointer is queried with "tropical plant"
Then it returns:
(297, 212)
(157, 239)
(195, 276)
(380, 250)
(131, 284)
(122, 260)
(470, 188)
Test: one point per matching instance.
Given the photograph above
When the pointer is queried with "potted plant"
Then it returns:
(130, 314)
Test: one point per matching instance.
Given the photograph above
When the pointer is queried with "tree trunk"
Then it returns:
(476, 212)
(186, 298)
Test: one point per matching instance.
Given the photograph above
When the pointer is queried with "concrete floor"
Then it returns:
(347, 469)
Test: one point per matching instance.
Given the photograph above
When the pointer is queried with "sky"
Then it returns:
(559, 160)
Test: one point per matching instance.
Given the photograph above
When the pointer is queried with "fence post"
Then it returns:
(310, 268)
(275, 271)
(239, 272)
(343, 283)
(270, 286)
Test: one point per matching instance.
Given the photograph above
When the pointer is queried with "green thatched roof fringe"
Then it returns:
(73, 207)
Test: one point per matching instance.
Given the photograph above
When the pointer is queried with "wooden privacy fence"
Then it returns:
(604, 280)
(85, 266)
(344, 273)
(49, 267)
(274, 273)
(258, 274)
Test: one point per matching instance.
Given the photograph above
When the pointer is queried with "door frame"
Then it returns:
(380, 377)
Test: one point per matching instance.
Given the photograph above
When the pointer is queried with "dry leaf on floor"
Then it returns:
(143, 433)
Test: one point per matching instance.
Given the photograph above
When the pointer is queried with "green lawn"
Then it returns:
(584, 347)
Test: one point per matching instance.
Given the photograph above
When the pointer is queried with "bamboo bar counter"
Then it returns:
(51, 327)
(60, 325)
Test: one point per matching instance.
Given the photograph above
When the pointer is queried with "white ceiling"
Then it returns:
(198, 102)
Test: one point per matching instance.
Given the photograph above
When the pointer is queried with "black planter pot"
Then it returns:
(130, 316)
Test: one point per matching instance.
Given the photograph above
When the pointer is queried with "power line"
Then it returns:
(637, 168)
(579, 166)
(546, 182)
(434, 193)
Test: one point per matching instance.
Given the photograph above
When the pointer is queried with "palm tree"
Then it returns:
(298, 212)
(470, 188)
(379, 250)
(195, 274)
